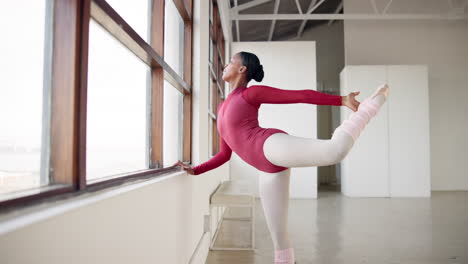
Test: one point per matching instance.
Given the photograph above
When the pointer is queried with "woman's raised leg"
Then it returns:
(274, 195)
(291, 151)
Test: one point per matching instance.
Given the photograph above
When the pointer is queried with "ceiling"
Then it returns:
(259, 30)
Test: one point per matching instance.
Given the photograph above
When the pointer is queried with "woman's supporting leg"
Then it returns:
(291, 151)
(274, 195)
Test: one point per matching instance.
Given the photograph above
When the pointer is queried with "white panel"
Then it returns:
(409, 130)
(295, 71)
(364, 171)
(391, 157)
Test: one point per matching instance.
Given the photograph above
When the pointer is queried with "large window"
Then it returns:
(173, 129)
(174, 38)
(216, 64)
(116, 114)
(173, 99)
(24, 92)
(136, 13)
(94, 93)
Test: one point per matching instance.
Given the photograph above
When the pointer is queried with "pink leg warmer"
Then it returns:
(284, 256)
(359, 119)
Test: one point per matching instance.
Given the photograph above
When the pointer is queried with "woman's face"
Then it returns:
(233, 69)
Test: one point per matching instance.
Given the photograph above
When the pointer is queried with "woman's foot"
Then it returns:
(382, 89)
(366, 111)
(284, 256)
(377, 99)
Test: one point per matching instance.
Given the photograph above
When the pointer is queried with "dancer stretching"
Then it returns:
(273, 151)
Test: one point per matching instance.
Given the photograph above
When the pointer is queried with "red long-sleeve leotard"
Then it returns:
(237, 123)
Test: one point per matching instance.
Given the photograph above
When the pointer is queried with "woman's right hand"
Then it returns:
(187, 168)
(350, 101)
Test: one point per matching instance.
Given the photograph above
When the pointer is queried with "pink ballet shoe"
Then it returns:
(284, 256)
(359, 119)
(382, 89)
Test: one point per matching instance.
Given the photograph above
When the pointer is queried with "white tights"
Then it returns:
(292, 151)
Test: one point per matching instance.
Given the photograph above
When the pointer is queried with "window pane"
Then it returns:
(174, 38)
(210, 56)
(214, 92)
(210, 135)
(172, 125)
(210, 91)
(116, 115)
(219, 71)
(136, 13)
(211, 12)
(215, 138)
(24, 112)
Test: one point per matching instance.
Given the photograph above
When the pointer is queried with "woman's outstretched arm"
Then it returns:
(262, 94)
(217, 160)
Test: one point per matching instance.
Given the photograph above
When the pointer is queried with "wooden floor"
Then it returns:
(335, 229)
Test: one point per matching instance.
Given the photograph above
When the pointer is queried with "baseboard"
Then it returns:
(200, 254)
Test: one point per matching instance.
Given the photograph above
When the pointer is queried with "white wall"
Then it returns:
(288, 65)
(440, 44)
(329, 51)
(330, 61)
(157, 221)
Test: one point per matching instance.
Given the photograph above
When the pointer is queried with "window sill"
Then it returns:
(19, 218)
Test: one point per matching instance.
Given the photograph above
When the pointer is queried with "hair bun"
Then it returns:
(259, 74)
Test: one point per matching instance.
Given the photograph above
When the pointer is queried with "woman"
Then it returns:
(273, 151)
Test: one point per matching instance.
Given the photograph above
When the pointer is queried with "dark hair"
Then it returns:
(254, 68)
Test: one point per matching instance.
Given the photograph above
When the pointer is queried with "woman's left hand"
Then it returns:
(185, 167)
(350, 101)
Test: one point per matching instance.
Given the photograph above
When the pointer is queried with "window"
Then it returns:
(24, 93)
(116, 116)
(173, 129)
(173, 99)
(211, 12)
(216, 63)
(210, 56)
(174, 38)
(105, 99)
(136, 13)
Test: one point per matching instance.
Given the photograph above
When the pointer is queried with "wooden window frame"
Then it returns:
(69, 95)
(216, 72)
